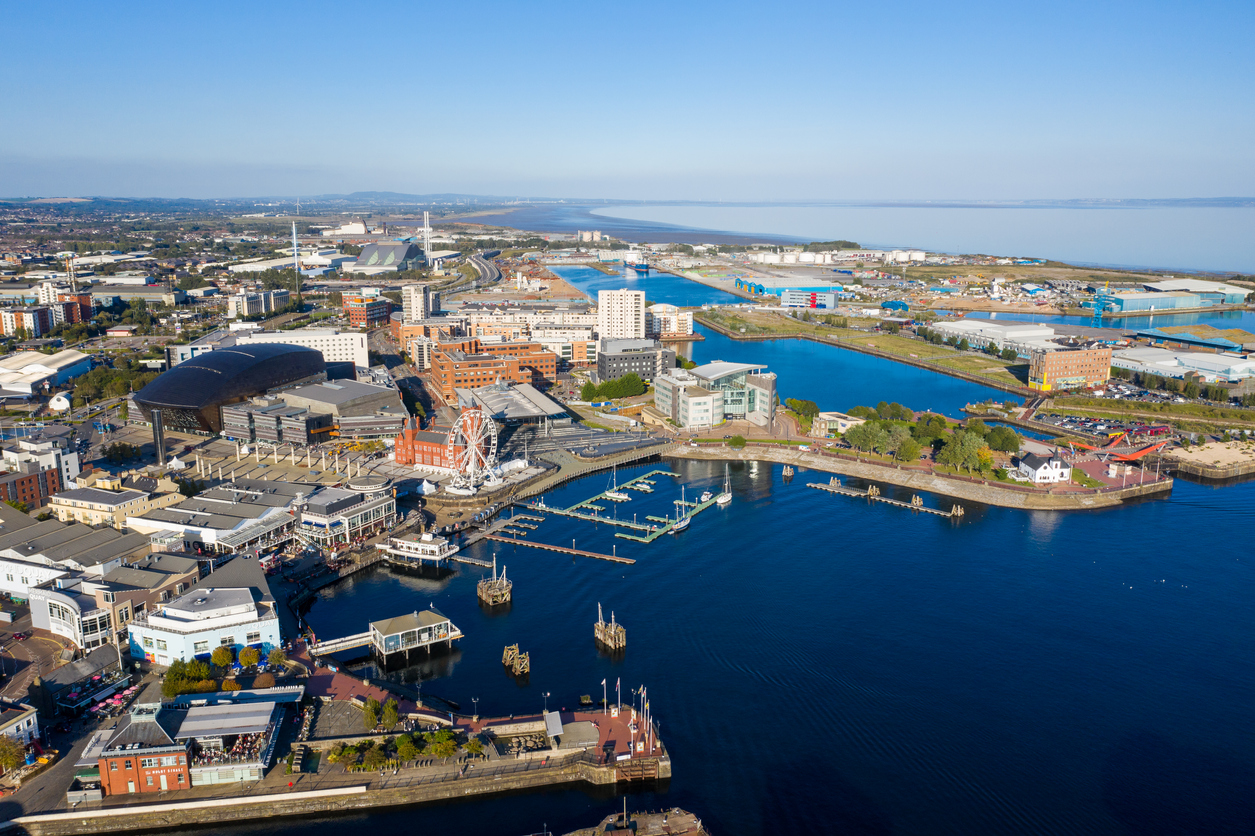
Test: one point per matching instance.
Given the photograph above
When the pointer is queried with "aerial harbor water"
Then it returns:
(821, 664)
(824, 664)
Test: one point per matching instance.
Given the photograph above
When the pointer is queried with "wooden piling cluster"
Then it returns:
(496, 590)
(609, 634)
(519, 664)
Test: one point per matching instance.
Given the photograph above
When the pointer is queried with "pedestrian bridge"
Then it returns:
(336, 645)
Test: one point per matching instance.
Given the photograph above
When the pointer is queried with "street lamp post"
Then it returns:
(546, 696)
(475, 700)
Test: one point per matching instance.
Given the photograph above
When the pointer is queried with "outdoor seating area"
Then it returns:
(113, 706)
(244, 748)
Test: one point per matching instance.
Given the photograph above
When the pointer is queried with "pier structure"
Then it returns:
(423, 630)
(609, 634)
(517, 663)
(873, 493)
(496, 590)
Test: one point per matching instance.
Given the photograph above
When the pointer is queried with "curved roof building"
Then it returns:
(190, 395)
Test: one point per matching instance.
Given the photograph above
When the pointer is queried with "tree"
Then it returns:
(12, 753)
(406, 750)
(441, 743)
(370, 714)
(21, 506)
(895, 437)
(1004, 439)
(473, 746)
(808, 409)
(862, 412)
(588, 392)
(963, 345)
(375, 757)
(908, 451)
(736, 442)
(866, 436)
(231, 685)
(930, 426)
(390, 713)
(1010, 354)
(978, 426)
(277, 657)
(222, 657)
(249, 657)
(264, 680)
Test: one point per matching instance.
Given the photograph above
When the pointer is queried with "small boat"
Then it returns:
(707, 496)
(726, 496)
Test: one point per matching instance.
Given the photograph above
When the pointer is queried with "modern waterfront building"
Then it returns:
(200, 621)
(1069, 368)
(749, 392)
(335, 517)
(647, 358)
(663, 320)
(680, 396)
(621, 314)
(191, 394)
(235, 516)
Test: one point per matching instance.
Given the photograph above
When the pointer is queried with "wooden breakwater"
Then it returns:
(562, 549)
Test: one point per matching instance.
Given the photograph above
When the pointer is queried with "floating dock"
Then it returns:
(873, 493)
(563, 549)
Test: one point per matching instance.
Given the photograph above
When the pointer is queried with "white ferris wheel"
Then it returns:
(472, 450)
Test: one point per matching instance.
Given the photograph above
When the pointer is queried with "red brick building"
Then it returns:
(79, 307)
(143, 756)
(418, 447)
(29, 484)
(469, 364)
(367, 311)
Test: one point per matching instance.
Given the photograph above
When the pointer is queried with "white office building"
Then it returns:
(418, 303)
(621, 314)
(336, 346)
(195, 624)
(663, 319)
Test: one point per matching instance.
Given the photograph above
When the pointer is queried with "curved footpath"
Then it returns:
(973, 490)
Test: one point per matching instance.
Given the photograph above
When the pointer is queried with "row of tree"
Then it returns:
(961, 344)
(621, 387)
(1187, 388)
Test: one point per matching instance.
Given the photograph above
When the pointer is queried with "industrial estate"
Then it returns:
(206, 424)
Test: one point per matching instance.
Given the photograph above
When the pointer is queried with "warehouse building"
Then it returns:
(1199, 365)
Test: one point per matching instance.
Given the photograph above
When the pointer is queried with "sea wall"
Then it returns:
(970, 489)
(290, 803)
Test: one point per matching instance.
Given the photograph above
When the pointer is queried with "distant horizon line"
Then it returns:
(505, 200)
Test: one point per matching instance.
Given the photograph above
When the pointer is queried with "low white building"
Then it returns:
(206, 618)
(1044, 470)
(1210, 366)
(1022, 337)
(680, 396)
(19, 721)
(336, 346)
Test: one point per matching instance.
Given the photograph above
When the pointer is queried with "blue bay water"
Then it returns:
(822, 665)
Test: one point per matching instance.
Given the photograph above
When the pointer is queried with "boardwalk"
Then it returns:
(562, 549)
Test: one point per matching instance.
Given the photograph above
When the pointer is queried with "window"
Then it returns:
(253, 638)
(180, 777)
(170, 760)
(150, 780)
(201, 647)
(227, 641)
(148, 642)
(113, 766)
(8, 577)
(161, 644)
(126, 765)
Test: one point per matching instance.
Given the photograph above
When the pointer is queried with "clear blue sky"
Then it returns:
(643, 100)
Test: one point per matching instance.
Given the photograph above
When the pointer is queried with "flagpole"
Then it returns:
(605, 702)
